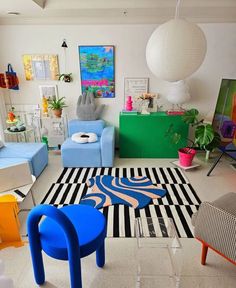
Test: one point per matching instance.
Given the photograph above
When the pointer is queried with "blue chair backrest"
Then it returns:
(95, 126)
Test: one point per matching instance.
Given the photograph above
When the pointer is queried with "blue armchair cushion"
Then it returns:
(81, 155)
(96, 127)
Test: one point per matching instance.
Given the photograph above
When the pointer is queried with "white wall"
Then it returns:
(130, 42)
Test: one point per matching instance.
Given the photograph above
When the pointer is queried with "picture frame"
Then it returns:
(41, 66)
(135, 86)
(97, 70)
(48, 91)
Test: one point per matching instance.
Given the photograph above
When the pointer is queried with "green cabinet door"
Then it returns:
(144, 136)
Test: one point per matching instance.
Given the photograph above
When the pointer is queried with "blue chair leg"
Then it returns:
(100, 255)
(75, 266)
(37, 259)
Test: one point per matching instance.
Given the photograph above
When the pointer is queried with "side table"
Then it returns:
(159, 253)
(20, 134)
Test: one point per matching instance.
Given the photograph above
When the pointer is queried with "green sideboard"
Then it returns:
(143, 136)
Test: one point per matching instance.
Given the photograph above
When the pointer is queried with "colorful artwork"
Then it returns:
(41, 67)
(97, 70)
(224, 121)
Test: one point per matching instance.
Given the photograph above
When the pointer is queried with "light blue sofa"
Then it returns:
(97, 154)
(36, 154)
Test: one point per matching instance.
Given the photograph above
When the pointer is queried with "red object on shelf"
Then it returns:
(175, 112)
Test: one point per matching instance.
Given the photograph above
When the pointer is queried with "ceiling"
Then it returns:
(114, 11)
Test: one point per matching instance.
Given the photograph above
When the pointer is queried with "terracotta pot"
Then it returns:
(186, 156)
(57, 112)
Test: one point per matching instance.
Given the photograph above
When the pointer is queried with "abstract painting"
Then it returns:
(97, 70)
(41, 67)
(224, 121)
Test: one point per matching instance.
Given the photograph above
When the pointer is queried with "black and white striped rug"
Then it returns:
(179, 204)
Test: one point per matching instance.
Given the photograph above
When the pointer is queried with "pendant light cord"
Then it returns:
(64, 59)
(177, 9)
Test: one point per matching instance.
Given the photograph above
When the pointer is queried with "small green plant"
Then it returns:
(205, 138)
(56, 104)
(66, 77)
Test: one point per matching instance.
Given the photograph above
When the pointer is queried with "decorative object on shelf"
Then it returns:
(41, 67)
(146, 103)
(129, 102)
(57, 105)
(176, 49)
(11, 117)
(12, 79)
(45, 106)
(86, 108)
(97, 70)
(18, 127)
(178, 94)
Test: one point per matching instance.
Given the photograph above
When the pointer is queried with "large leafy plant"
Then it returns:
(56, 104)
(205, 137)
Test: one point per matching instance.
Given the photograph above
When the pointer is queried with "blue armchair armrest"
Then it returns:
(108, 146)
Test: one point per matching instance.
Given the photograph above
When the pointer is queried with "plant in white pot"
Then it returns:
(205, 138)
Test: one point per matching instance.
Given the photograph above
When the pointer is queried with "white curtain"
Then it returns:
(2, 115)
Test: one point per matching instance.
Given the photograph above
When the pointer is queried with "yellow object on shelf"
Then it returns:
(9, 222)
(45, 106)
(12, 122)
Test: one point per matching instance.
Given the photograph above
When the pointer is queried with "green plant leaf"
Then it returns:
(204, 134)
(214, 143)
(190, 116)
(55, 104)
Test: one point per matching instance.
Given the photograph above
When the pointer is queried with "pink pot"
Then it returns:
(186, 156)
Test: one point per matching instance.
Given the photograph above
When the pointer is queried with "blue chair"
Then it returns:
(97, 154)
(69, 233)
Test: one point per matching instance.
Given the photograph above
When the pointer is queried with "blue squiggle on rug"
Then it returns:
(135, 192)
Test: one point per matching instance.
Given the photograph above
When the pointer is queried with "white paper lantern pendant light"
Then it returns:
(176, 49)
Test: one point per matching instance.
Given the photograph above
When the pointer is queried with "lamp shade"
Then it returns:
(178, 92)
(175, 50)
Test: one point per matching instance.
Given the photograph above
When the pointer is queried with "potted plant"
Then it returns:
(205, 138)
(57, 105)
(66, 77)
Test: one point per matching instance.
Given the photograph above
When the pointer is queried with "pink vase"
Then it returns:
(186, 156)
(129, 106)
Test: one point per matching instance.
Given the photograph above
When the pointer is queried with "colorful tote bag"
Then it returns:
(12, 79)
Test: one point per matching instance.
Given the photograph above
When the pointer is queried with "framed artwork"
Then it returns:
(135, 86)
(97, 70)
(224, 121)
(48, 91)
(41, 67)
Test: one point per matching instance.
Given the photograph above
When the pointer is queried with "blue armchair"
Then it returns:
(97, 154)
